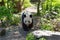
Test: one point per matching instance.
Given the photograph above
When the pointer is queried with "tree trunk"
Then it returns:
(38, 12)
(2, 3)
(19, 6)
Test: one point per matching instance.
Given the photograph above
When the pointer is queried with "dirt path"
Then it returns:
(15, 33)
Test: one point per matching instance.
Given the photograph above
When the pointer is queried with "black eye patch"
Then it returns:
(31, 16)
(24, 15)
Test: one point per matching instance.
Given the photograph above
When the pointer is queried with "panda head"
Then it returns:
(27, 18)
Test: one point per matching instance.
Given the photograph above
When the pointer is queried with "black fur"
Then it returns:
(25, 27)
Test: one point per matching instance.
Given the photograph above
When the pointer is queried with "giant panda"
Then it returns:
(27, 21)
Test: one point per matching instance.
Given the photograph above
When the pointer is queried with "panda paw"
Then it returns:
(25, 29)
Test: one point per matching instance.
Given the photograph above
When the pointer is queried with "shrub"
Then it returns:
(5, 14)
(27, 3)
(15, 19)
(46, 27)
(30, 36)
(42, 39)
(46, 24)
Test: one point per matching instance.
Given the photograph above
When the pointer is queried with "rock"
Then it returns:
(57, 28)
(2, 31)
(45, 33)
(36, 22)
(40, 33)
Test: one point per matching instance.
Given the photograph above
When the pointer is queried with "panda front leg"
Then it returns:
(25, 28)
(30, 26)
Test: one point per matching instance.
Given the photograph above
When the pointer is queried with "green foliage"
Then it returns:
(30, 36)
(51, 3)
(27, 3)
(46, 24)
(56, 3)
(46, 5)
(4, 12)
(10, 4)
(46, 27)
(42, 39)
(58, 15)
(15, 19)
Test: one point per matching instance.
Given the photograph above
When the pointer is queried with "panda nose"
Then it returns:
(29, 21)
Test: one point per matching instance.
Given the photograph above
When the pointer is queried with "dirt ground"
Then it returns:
(14, 33)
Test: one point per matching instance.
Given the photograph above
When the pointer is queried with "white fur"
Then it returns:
(27, 18)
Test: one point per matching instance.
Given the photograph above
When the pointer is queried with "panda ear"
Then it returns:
(24, 15)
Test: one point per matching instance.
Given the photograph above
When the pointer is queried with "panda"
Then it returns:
(27, 21)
